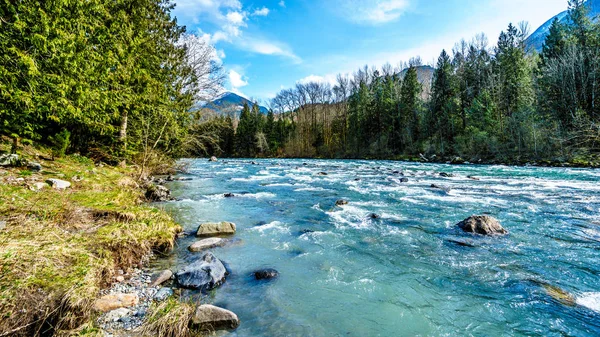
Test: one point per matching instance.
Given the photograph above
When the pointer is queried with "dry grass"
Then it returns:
(170, 319)
(60, 247)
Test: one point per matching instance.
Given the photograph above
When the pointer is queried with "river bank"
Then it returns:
(70, 228)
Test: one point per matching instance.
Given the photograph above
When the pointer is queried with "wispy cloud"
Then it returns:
(236, 80)
(261, 12)
(282, 3)
(230, 20)
(372, 11)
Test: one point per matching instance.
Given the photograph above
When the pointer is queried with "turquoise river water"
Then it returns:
(411, 272)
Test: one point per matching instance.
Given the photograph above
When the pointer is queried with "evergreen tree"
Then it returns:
(443, 111)
(409, 108)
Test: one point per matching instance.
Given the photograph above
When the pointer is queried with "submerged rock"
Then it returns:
(210, 318)
(111, 302)
(266, 274)
(473, 178)
(206, 244)
(560, 295)
(229, 195)
(161, 278)
(58, 184)
(204, 274)
(216, 228)
(442, 188)
(322, 173)
(446, 175)
(374, 216)
(482, 224)
(341, 202)
(158, 193)
(403, 180)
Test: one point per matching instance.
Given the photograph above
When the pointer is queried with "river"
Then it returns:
(411, 272)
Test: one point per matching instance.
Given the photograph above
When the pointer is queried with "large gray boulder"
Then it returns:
(205, 244)
(482, 224)
(204, 274)
(213, 158)
(12, 160)
(58, 183)
(210, 318)
(216, 228)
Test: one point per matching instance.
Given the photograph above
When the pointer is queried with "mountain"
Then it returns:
(536, 40)
(425, 77)
(231, 102)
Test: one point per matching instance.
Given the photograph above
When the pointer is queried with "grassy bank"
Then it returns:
(59, 248)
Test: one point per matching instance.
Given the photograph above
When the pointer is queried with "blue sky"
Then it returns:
(266, 46)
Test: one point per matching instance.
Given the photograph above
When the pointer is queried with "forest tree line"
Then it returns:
(491, 103)
(114, 80)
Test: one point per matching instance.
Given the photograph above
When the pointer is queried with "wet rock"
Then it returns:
(446, 175)
(162, 294)
(213, 158)
(457, 160)
(403, 180)
(341, 202)
(216, 228)
(473, 178)
(560, 295)
(306, 231)
(206, 244)
(254, 163)
(161, 278)
(170, 178)
(116, 315)
(374, 216)
(209, 318)
(229, 195)
(482, 224)
(58, 183)
(204, 274)
(115, 301)
(322, 173)
(158, 193)
(356, 179)
(266, 274)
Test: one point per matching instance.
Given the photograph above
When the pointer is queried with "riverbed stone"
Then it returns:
(482, 224)
(266, 274)
(205, 273)
(58, 183)
(117, 314)
(210, 318)
(115, 301)
(161, 278)
(215, 228)
(162, 294)
(206, 244)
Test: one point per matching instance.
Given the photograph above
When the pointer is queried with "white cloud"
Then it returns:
(372, 11)
(329, 78)
(230, 26)
(236, 80)
(261, 12)
(282, 3)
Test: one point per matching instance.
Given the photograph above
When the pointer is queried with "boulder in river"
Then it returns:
(266, 274)
(322, 173)
(404, 180)
(442, 188)
(213, 158)
(341, 202)
(58, 184)
(374, 216)
(211, 318)
(229, 195)
(482, 224)
(158, 193)
(446, 175)
(204, 244)
(216, 228)
(205, 273)
(108, 303)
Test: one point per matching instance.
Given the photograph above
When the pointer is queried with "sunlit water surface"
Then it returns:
(345, 274)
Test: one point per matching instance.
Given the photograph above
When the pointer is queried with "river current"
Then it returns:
(410, 272)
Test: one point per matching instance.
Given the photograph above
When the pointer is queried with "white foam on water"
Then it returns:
(313, 189)
(259, 195)
(279, 185)
(274, 226)
(590, 300)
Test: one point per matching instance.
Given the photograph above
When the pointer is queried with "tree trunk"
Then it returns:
(123, 131)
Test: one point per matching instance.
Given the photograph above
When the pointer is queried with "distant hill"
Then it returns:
(231, 102)
(536, 40)
(425, 77)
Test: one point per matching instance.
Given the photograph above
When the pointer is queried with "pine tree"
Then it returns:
(443, 111)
